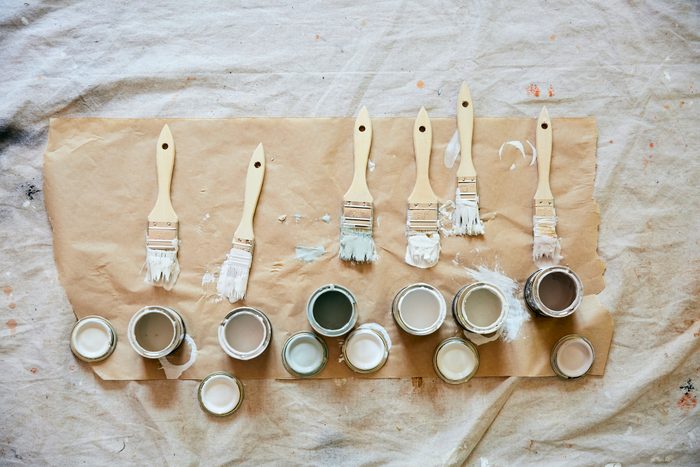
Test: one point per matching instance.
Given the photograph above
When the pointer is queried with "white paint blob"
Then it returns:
(304, 354)
(574, 357)
(421, 308)
(92, 338)
(456, 360)
(245, 332)
(220, 394)
(365, 350)
(309, 254)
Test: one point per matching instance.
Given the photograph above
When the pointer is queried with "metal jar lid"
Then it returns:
(371, 334)
(460, 313)
(220, 394)
(311, 368)
(93, 339)
(322, 326)
(257, 348)
(399, 318)
(457, 343)
(580, 348)
(533, 289)
(168, 321)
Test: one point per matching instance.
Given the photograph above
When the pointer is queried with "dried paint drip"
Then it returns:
(516, 313)
(173, 371)
(245, 333)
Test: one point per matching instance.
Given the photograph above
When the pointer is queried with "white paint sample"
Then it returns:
(574, 357)
(365, 350)
(421, 308)
(482, 307)
(456, 360)
(304, 354)
(92, 338)
(245, 332)
(220, 394)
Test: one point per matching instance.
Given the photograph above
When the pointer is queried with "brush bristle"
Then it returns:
(162, 267)
(465, 218)
(546, 249)
(233, 278)
(357, 245)
(423, 251)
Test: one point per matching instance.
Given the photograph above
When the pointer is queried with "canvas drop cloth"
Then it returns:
(633, 66)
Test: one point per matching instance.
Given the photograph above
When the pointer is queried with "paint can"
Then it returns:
(220, 394)
(554, 291)
(480, 308)
(304, 354)
(245, 333)
(332, 310)
(419, 309)
(456, 360)
(366, 349)
(93, 339)
(572, 356)
(156, 331)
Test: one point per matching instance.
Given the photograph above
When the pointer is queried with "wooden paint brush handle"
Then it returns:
(543, 144)
(422, 142)
(465, 124)
(165, 160)
(253, 185)
(362, 141)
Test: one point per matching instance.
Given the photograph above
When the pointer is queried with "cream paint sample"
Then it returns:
(220, 394)
(92, 339)
(245, 332)
(421, 308)
(456, 361)
(483, 307)
(574, 357)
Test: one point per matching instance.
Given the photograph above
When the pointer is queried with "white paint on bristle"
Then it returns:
(162, 267)
(357, 245)
(173, 371)
(517, 314)
(465, 217)
(546, 249)
(423, 251)
(233, 278)
(452, 150)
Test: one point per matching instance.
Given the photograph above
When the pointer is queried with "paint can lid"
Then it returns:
(93, 339)
(572, 356)
(304, 354)
(456, 360)
(365, 350)
(220, 393)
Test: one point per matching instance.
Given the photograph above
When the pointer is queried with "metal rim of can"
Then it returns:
(286, 365)
(176, 321)
(233, 353)
(385, 355)
(396, 312)
(532, 297)
(220, 373)
(312, 319)
(466, 343)
(555, 350)
(458, 308)
(112, 341)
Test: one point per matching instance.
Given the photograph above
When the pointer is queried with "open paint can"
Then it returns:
(93, 339)
(332, 310)
(572, 357)
(304, 354)
(554, 291)
(419, 309)
(220, 393)
(366, 349)
(245, 333)
(456, 360)
(156, 331)
(480, 308)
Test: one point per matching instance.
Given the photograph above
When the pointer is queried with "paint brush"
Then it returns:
(162, 232)
(233, 278)
(422, 223)
(546, 247)
(356, 243)
(465, 218)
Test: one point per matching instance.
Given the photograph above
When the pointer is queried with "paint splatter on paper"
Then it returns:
(309, 254)
(420, 84)
(281, 218)
(688, 400)
(371, 165)
(326, 218)
(452, 150)
(297, 217)
(173, 371)
(533, 90)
